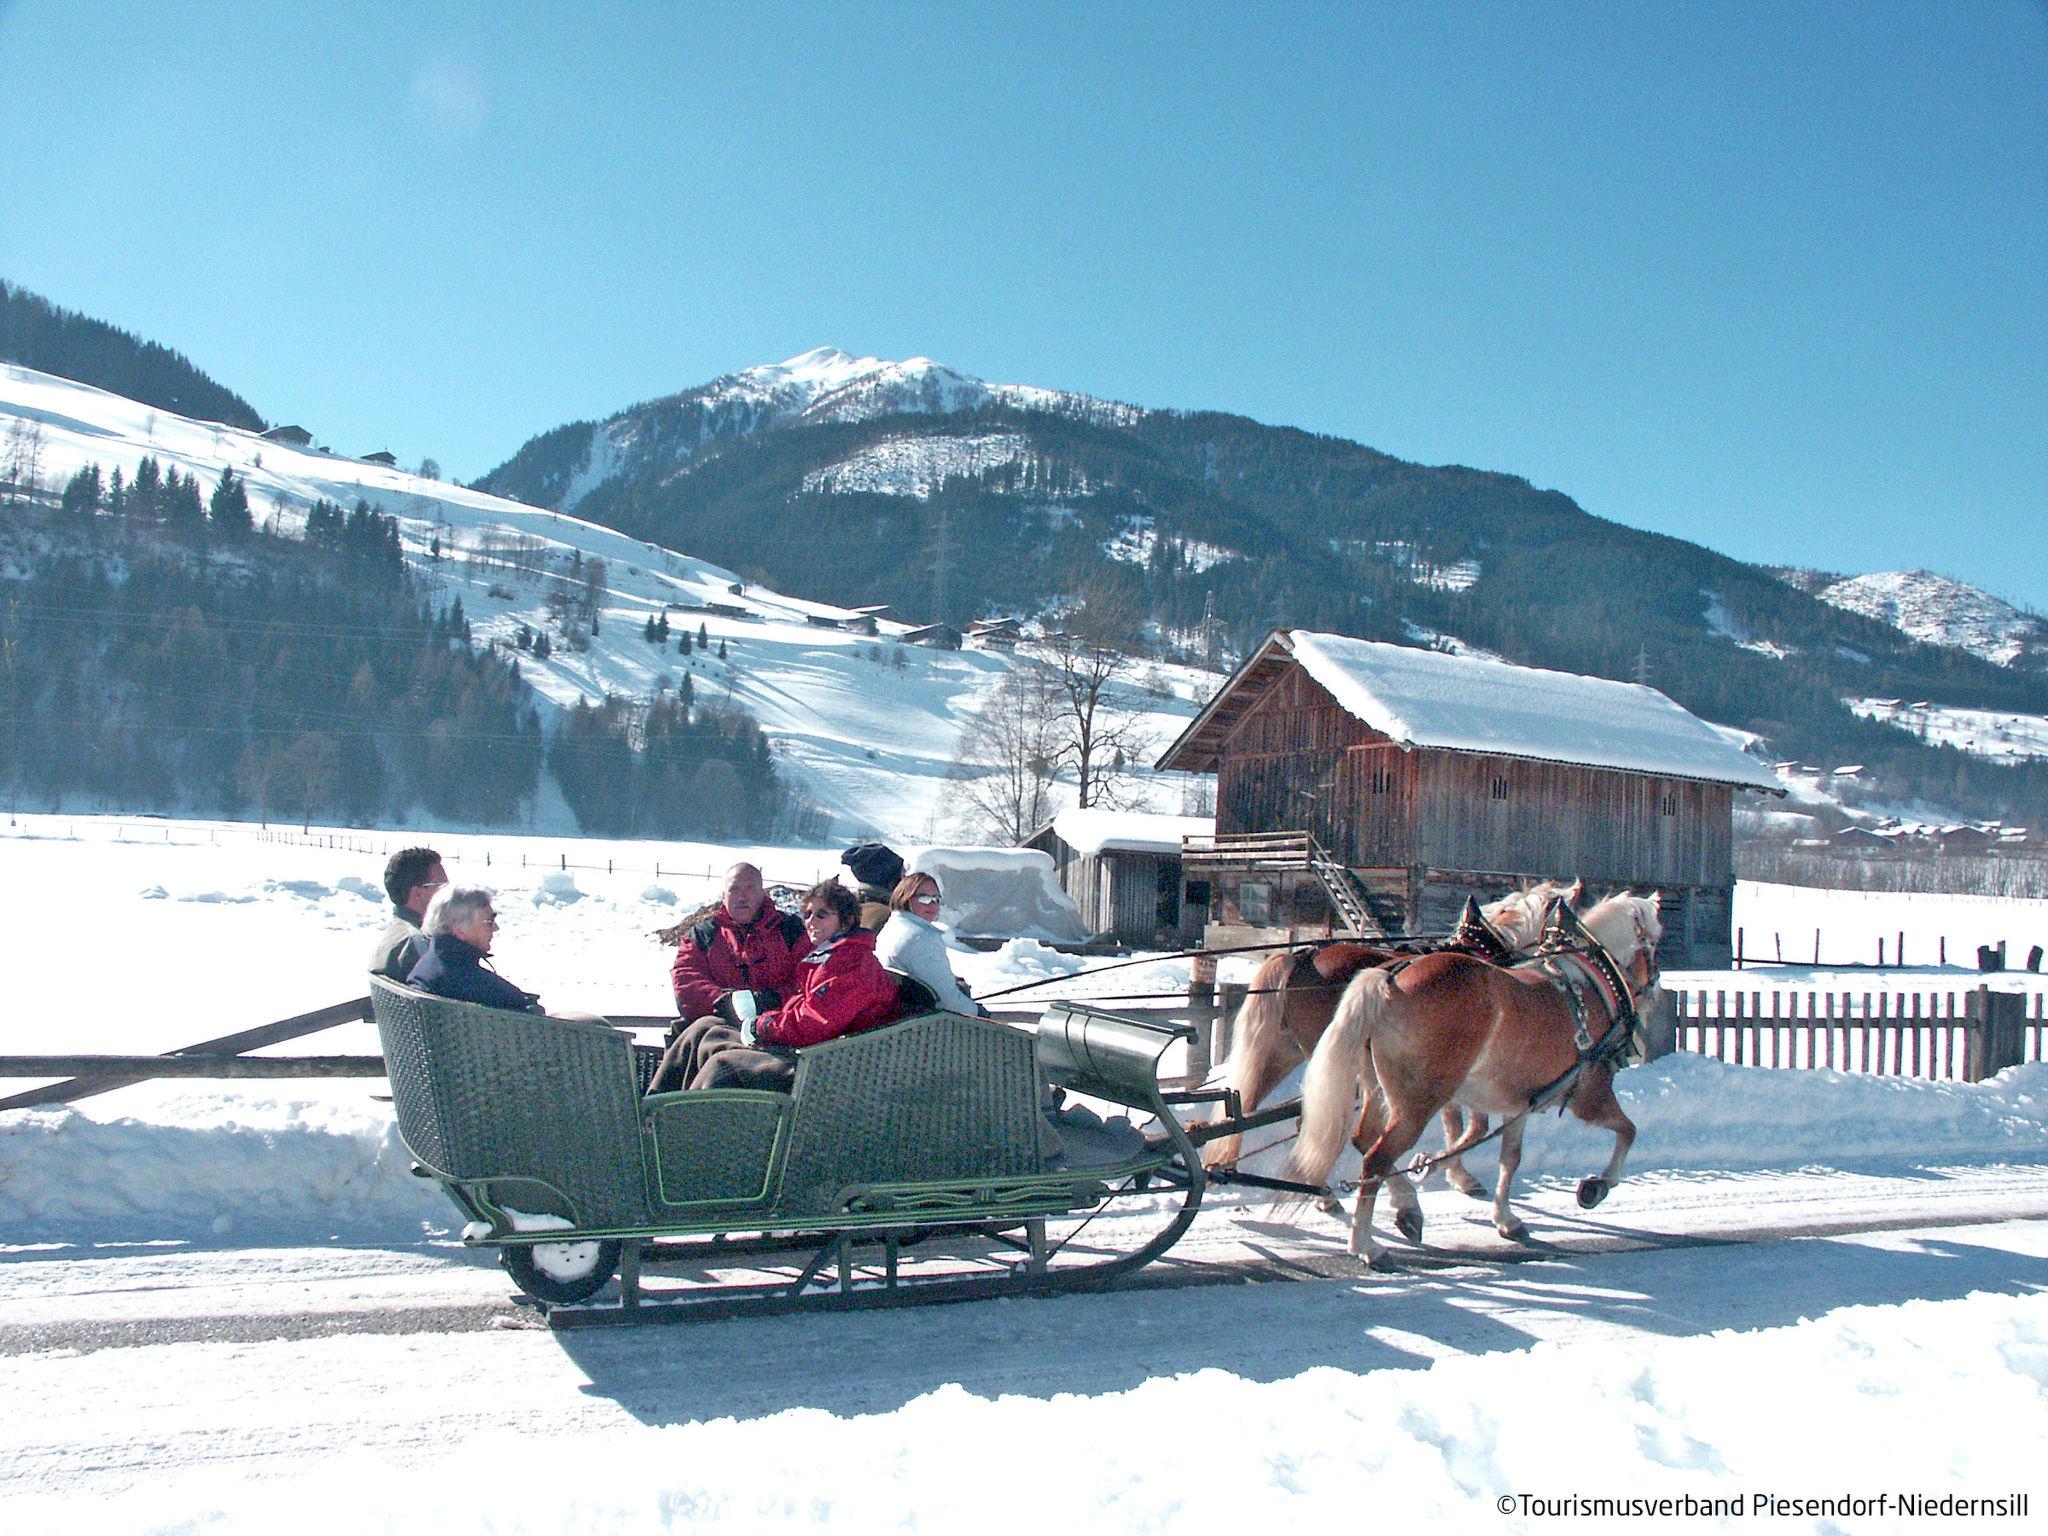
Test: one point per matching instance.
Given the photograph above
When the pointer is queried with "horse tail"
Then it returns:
(1254, 1041)
(1329, 1089)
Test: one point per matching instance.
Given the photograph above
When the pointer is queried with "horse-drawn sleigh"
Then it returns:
(935, 1130)
(538, 1130)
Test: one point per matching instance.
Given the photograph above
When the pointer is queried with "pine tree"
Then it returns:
(683, 645)
(82, 492)
(145, 495)
(182, 508)
(229, 509)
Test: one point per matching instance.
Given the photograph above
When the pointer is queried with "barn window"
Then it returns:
(1500, 786)
(1667, 801)
(1381, 780)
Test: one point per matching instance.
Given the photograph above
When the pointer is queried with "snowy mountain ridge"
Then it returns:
(822, 385)
(1940, 610)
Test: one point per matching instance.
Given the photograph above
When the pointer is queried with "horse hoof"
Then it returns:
(1592, 1192)
(1330, 1205)
(1514, 1232)
(1409, 1225)
(1379, 1259)
(1468, 1186)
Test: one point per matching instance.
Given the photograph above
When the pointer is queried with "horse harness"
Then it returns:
(1577, 965)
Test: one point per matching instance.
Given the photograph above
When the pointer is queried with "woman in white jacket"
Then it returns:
(911, 945)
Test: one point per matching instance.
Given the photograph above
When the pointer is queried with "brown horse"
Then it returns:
(1294, 995)
(1449, 1028)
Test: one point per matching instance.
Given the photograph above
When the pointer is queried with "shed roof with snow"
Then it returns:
(1426, 698)
(1095, 831)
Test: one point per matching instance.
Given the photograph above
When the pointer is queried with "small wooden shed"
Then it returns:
(1124, 870)
(1370, 788)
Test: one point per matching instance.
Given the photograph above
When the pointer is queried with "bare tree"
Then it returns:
(1002, 775)
(24, 460)
(1089, 650)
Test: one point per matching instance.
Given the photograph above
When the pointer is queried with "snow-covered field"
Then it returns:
(234, 1310)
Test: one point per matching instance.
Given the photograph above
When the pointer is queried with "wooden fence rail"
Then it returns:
(86, 1074)
(1955, 1036)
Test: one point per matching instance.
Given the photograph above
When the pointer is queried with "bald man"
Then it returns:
(745, 946)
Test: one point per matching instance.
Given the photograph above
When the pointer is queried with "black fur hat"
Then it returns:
(875, 864)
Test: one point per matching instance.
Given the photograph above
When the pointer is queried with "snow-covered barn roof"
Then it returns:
(1094, 831)
(1424, 698)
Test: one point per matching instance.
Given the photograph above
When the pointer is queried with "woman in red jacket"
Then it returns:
(841, 990)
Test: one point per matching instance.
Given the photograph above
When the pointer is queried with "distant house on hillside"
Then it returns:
(995, 634)
(382, 456)
(1123, 869)
(1370, 788)
(940, 637)
(291, 437)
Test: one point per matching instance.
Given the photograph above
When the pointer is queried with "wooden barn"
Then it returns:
(1123, 869)
(1370, 788)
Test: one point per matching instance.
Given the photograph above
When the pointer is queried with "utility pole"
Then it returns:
(942, 559)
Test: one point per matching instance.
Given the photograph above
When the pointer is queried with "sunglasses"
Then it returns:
(925, 899)
(818, 913)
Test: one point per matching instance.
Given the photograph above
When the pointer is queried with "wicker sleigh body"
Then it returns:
(537, 1129)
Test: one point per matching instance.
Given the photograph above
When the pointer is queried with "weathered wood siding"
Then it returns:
(1496, 813)
(1290, 763)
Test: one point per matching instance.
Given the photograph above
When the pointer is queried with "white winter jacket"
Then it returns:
(910, 945)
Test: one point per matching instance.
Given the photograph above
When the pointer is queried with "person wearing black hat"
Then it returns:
(876, 867)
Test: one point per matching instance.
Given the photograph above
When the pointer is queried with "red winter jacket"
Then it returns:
(844, 991)
(719, 956)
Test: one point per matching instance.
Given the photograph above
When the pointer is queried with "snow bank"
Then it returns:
(1002, 893)
(215, 1167)
(202, 1165)
(1694, 1114)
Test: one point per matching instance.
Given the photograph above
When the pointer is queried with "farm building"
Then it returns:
(1370, 788)
(1123, 870)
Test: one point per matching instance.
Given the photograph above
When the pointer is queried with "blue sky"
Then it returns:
(1773, 278)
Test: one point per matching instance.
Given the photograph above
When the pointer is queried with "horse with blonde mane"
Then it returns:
(1450, 1029)
(1294, 994)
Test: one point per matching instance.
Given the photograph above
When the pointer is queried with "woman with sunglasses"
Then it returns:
(911, 944)
(841, 990)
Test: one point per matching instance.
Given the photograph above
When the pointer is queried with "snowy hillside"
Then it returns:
(1940, 611)
(864, 727)
(1986, 732)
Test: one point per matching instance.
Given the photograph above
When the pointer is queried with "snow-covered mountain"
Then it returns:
(824, 385)
(1940, 611)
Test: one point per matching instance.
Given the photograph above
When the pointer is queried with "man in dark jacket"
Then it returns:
(745, 946)
(411, 877)
(459, 925)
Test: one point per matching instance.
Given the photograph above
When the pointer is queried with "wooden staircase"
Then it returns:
(1278, 852)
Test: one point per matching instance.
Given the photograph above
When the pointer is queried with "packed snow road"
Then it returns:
(271, 1363)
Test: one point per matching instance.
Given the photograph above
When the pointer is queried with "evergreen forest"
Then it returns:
(37, 334)
(158, 651)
